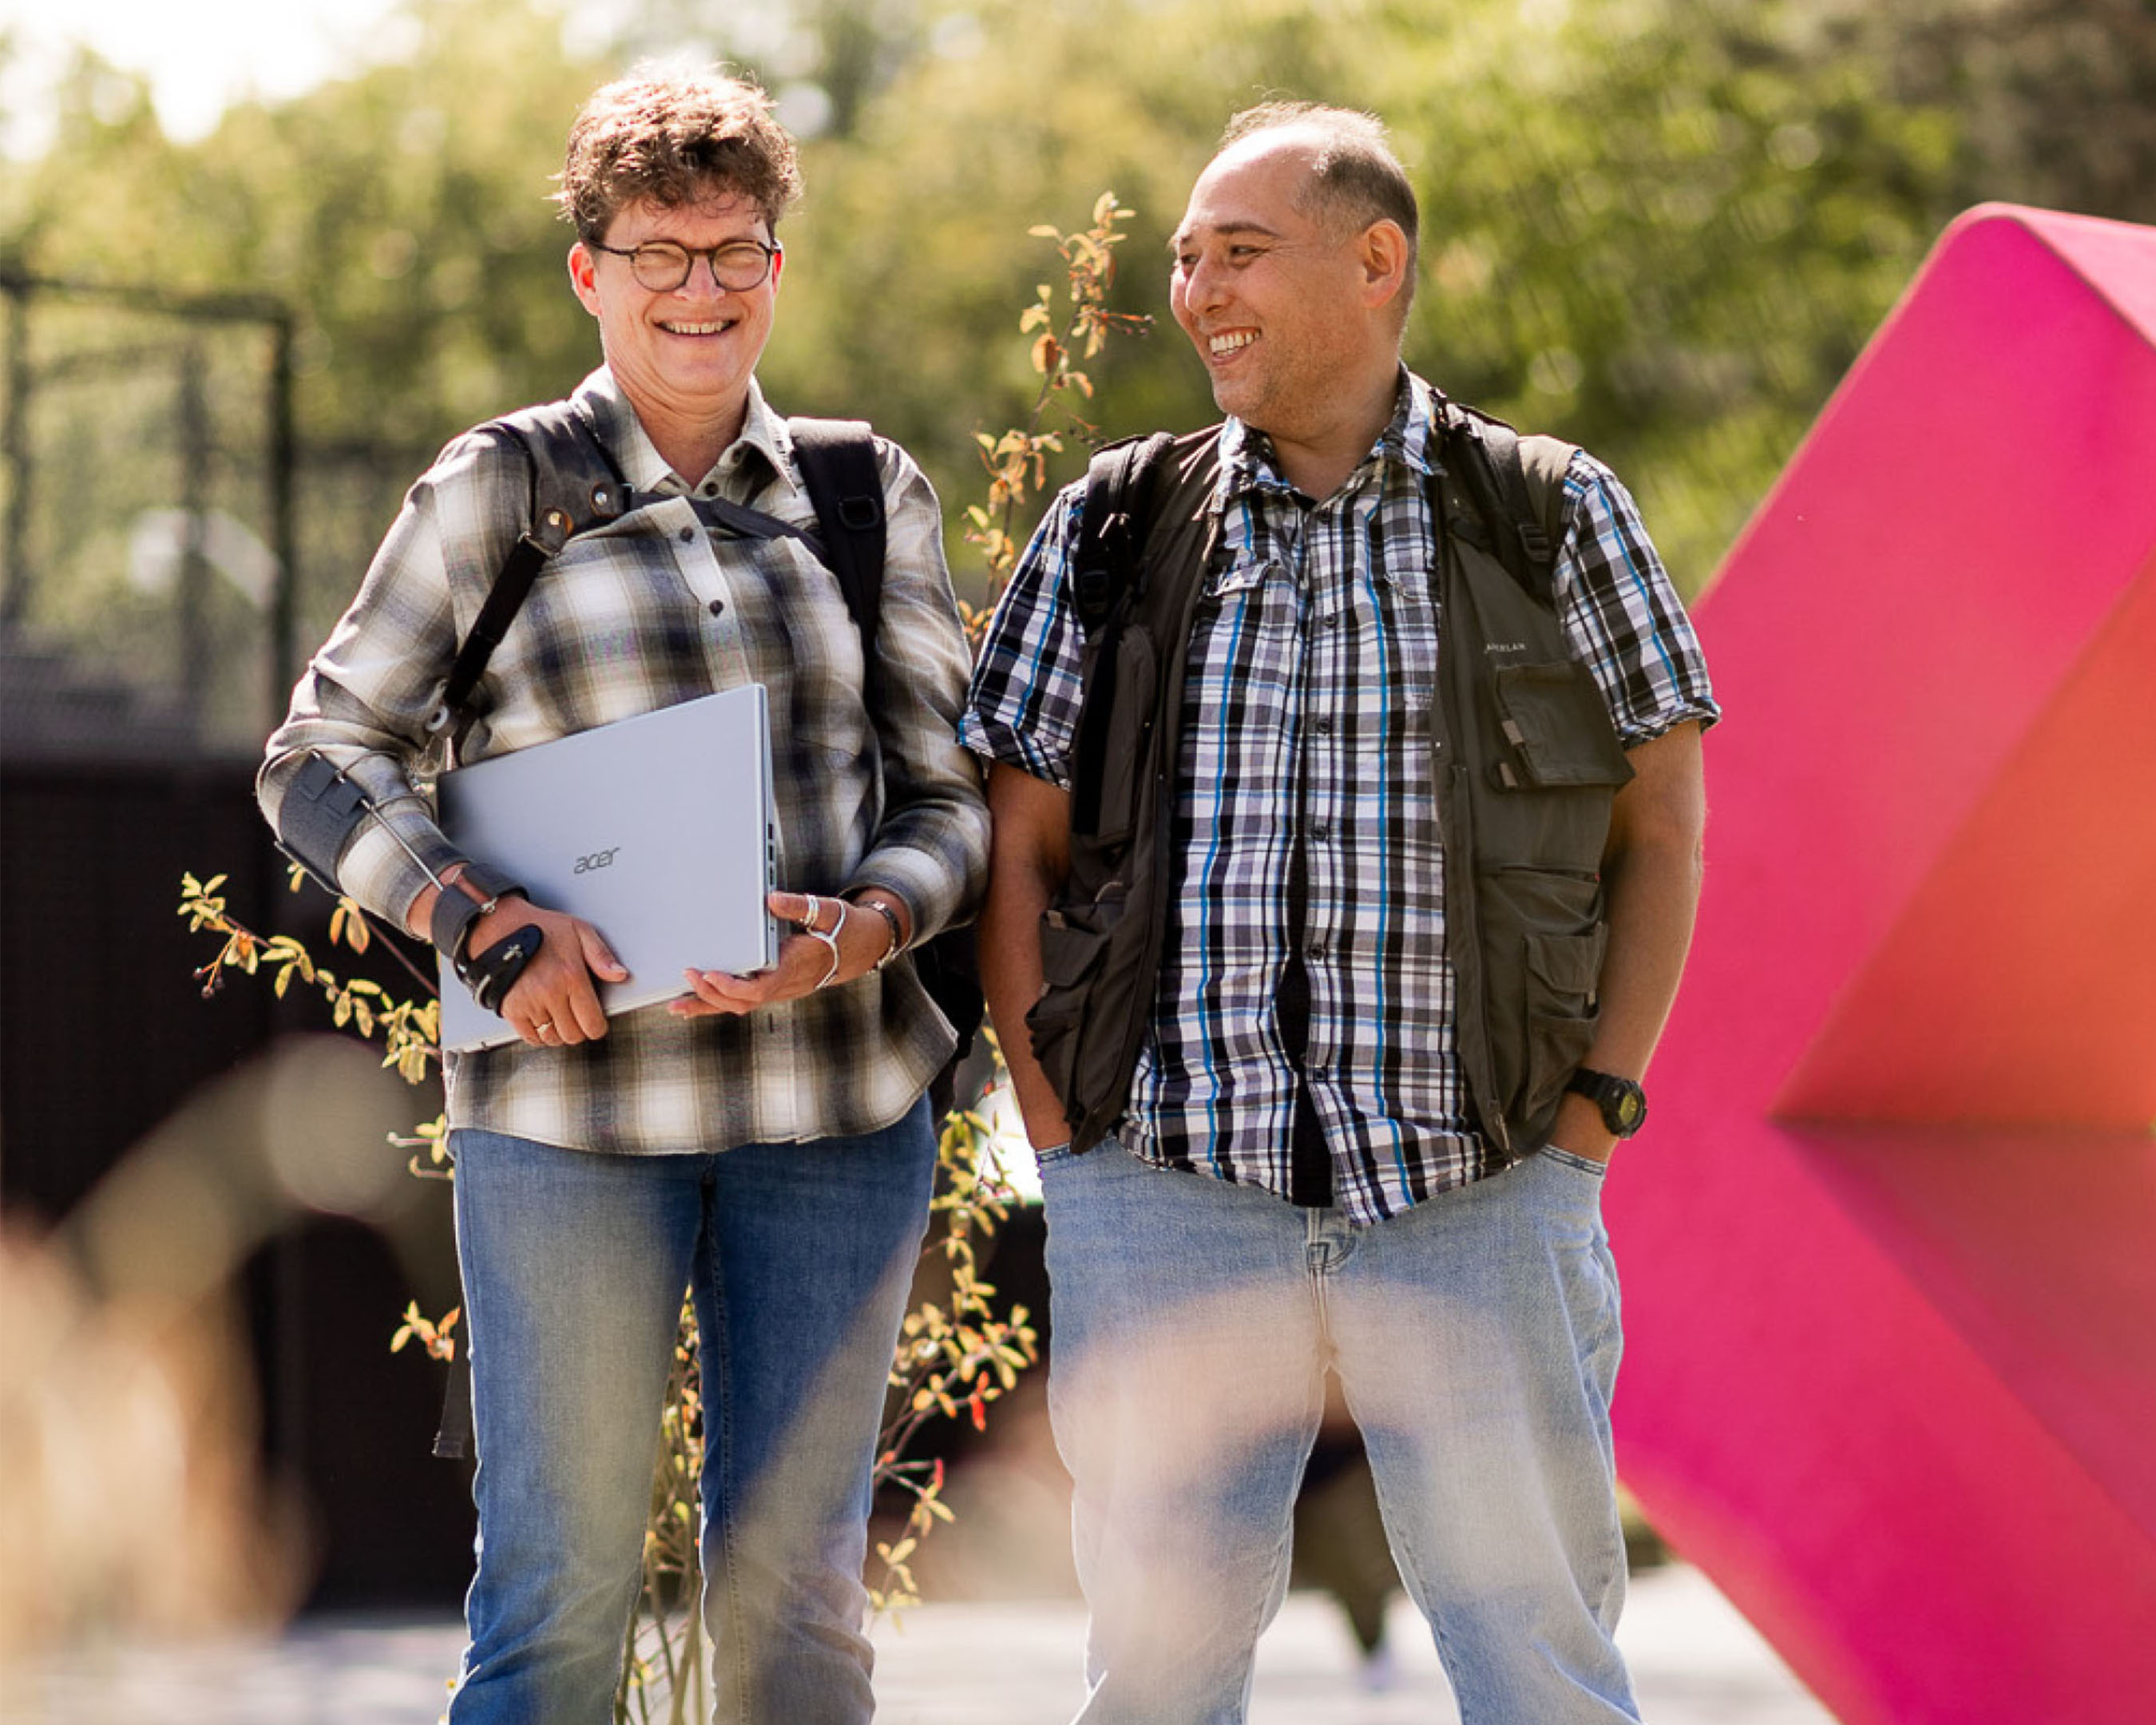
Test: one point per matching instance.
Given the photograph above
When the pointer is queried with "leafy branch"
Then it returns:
(954, 1357)
(410, 1029)
(1016, 460)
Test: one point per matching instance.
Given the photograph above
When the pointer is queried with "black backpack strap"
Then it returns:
(1516, 488)
(1112, 527)
(575, 485)
(838, 463)
(1143, 524)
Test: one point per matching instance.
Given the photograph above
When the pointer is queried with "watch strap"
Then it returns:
(1623, 1100)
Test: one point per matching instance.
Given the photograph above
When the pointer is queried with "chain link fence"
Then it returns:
(168, 551)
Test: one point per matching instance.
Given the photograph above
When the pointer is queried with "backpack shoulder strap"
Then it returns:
(1515, 486)
(838, 463)
(1112, 525)
(1139, 495)
(1143, 538)
(575, 485)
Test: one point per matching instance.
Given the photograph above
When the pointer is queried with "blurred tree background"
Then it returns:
(1660, 227)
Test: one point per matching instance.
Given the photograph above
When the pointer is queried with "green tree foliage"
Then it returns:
(1662, 227)
(403, 211)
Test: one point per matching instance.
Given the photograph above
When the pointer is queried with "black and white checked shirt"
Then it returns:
(1306, 715)
(644, 614)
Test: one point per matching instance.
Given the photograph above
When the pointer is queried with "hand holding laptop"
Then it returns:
(659, 828)
(554, 1003)
(842, 940)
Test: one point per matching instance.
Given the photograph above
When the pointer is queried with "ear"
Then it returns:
(1384, 261)
(778, 263)
(583, 277)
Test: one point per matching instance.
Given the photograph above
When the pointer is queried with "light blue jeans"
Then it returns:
(1476, 1338)
(799, 1257)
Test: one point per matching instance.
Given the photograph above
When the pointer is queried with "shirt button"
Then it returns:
(1317, 951)
(1329, 619)
(1322, 830)
(711, 490)
(1323, 728)
(688, 535)
(717, 607)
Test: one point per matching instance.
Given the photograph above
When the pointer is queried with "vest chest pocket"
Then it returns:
(1559, 731)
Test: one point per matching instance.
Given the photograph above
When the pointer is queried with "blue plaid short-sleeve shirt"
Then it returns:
(1313, 673)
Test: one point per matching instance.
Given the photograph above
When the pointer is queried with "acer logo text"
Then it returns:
(597, 860)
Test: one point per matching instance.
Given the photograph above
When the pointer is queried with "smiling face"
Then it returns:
(1289, 311)
(684, 358)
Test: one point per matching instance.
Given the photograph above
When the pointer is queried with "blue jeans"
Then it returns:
(799, 1257)
(1476, 1339)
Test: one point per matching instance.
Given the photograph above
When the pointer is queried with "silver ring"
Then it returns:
(541, 1028)
(829, 938)
(815, 910)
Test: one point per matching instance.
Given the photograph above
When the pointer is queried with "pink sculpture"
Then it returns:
(1890, 1242)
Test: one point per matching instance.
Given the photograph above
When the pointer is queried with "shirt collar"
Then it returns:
(763, 434)
(1409, 439)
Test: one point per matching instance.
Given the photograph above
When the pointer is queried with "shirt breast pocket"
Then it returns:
(1247, 652)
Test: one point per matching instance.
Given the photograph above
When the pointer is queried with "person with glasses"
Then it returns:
(761, 1141)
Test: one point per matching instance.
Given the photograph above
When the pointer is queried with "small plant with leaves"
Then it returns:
(1017, 459)
(410, 1028)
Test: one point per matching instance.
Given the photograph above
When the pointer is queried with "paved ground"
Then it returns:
(1696, 1663)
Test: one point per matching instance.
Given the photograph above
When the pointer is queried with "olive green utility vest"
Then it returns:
(1526, 761)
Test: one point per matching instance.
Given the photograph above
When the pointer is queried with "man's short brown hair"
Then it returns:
(675, 139)
(1355, 178)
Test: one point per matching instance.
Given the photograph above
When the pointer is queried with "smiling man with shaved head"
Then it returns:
(1345, 767)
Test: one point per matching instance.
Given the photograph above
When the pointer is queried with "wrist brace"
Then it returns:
(493, 973)
(455, 910)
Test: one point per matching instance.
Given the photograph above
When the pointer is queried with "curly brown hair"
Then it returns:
(675, 139)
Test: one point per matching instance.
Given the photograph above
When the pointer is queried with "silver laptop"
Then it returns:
(658, 830)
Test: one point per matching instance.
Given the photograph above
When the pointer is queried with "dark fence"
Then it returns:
(103, 1034)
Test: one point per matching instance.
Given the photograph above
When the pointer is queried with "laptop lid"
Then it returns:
(658, 830)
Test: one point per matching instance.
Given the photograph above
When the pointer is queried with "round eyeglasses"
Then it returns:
(660, 266)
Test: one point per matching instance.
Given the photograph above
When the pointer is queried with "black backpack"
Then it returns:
(576, 487)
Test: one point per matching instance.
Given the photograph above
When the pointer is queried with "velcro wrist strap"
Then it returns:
(492, 974)
(456, 909)
(489, 884)
(450, 923)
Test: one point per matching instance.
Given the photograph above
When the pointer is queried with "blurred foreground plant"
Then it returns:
(955, 1355)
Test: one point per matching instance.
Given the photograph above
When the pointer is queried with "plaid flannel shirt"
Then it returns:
(647, 612)
(1307, 717)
